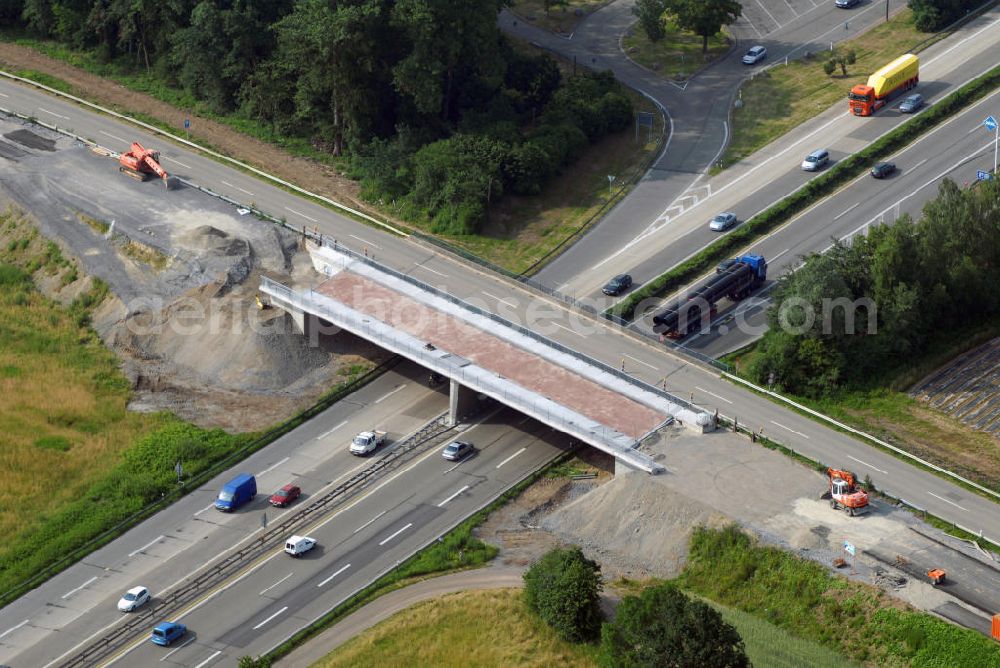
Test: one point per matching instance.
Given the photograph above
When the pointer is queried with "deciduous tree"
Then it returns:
(704, 17)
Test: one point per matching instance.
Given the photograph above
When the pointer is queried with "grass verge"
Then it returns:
(678, 55)
(560, 19)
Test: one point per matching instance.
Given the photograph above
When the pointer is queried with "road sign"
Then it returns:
(263, 520)
(990, 123)
(850, 549)
(983, 176)
(187, 123)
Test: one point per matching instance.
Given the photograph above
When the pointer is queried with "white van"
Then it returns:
(299, 545)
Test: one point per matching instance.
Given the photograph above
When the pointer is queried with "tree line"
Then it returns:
(912, 283)
(433, 107)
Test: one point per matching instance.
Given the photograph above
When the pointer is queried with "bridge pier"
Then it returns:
(461, 402)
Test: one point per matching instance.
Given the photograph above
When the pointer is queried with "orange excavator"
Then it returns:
(140, 163)
(844, 492)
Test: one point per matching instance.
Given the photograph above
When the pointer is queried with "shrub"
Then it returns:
(562, 588)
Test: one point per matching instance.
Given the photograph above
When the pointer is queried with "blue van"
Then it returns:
(236, 492)
(166, 632)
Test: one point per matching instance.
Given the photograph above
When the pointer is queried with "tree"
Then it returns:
(563, 587)
(663, 627)
(933, 15)
(704, 17)
(650, 15)
(839, 59)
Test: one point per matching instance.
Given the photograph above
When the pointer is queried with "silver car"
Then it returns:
(722, 222)
(815, 160)
(911, 104)
(755, 55)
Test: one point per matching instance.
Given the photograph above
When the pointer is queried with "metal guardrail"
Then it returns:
(271, 538)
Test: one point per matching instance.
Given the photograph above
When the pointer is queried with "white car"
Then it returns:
(299, 545)
(134, 598)
(755, 55)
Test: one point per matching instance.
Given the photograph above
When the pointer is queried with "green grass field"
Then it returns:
(677, 56)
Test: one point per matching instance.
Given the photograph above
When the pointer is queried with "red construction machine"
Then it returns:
(844, 492)
(140, 163)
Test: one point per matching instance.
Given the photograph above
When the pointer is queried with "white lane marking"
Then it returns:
(499, 299)
(789, 429)
(394, 534)
(511, 457)
(844, 213)
(299, 213)
(264, 591)
(167, 157)
(13, 628)
(567, 329)
(73, 591)
(149, 544)
(914, 167)
(178, 648)
(211, 505)
(270, 618)
(113, 136)
(203, 663)
(242, 190)
(339, 571)
(370, 243)
(947, 501)
(433, 271)
(4, 95)
(327, 433)
(701, 389)
(761, 5)
(868, 465)
(441, 505)
(273, 466)
(635, 359)
(779, 255)
(368, 523)
(389, 394)
(66, 118)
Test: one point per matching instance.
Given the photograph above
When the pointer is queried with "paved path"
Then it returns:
(494, 577)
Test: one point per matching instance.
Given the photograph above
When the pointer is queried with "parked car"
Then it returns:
(284, 496)
(167, 632)
(299, 545)
(617, 285)
(883, 169)
(456, 450)
(847, 4)
(755, 55)
(236, 492)
(722, 222)
(815, 160)
(911, 103)
(134, 598)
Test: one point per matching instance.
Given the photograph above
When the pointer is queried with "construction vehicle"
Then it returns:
(367, 442)
(844, 492)
(140, 163)
(734, 279)
(937, 576)
(884, 84)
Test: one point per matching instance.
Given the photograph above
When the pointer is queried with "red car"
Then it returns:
(285, 495)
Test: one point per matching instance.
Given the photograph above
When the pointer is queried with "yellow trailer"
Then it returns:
(900, 75)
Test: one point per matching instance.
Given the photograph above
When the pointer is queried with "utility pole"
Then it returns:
(886, 11)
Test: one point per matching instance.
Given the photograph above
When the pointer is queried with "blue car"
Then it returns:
(167, 632)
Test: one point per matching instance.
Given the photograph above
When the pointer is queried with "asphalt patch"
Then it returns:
(31, 140)
(10, 151)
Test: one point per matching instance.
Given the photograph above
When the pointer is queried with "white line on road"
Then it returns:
(342, 569)
(299, 213)
(914, 167)
(433, 271)
(396, 533)
(4, 95)
(441, 505)
(272, 467)
(375, 245)
(759, 3)
(868, 465)
(167, 157)
(499, 299)
(178, 648)
(13, 628)
(149, 544)
(366, 524)
(203, 663)
(947, 501)
(701, 389)
(270, 618)
(264, 591)
(511, 457)
(389, 394)
(242, 190)
(66, 118)
(779, 255)
(844, 213)
(108, 134)
(211, 505)
(634, 359)
(73, 591)
(567, 329)
(789, 429)
(327, 433)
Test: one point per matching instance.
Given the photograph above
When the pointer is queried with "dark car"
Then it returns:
(617, 285)
(456, 450)
(883, 169)
(167, 632)
(285, 495)
(911, 104)
(847, 4)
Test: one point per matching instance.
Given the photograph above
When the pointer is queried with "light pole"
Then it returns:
(611, 183)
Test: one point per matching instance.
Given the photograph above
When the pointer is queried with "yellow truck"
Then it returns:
(884, 84)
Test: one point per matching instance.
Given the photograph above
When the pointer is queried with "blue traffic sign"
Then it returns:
(990, 123)
(983, 176)
(187, 123)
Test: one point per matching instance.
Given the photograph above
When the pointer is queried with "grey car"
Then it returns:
(816, 160)
(911, 104)
(457, 450)
(722, 222)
